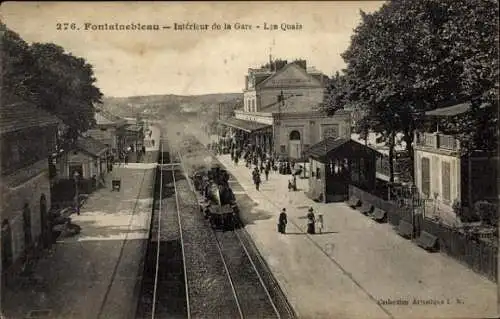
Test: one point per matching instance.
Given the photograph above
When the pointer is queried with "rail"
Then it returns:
(155, 290)
(182, 244)
(225, 263)
(158, 239)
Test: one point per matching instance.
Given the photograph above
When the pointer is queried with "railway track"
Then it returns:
(256, 293)
(163, 292)
(193, 271)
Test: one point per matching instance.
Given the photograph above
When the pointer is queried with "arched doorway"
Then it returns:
(294, 144)
(44, 219)
(27, 227)
(6, 244)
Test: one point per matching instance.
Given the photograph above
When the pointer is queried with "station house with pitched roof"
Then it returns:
(280, 111)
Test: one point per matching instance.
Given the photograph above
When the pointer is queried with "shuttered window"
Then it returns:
(446, 181)
(426, 176)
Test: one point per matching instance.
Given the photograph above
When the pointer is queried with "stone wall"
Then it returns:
(14, 197)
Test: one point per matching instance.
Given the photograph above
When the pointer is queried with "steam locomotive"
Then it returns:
(216, 199)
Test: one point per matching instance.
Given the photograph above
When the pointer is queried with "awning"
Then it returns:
(332, 147)
(325, 147)
(454, 109)
(244, 125)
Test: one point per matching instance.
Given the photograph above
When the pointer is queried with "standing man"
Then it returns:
(266, 171)
(256, 178)
(282, 221)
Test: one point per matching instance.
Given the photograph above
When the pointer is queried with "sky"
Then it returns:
(187, 62)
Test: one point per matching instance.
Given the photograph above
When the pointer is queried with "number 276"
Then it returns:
(66, 26)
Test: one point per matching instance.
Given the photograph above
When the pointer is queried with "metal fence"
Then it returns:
(477, 254)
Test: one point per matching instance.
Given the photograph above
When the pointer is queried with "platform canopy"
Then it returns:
(332, 147)
(244, 125)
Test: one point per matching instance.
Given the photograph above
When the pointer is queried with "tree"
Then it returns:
(65, 86)
(335, 95)
(50, 78)
(414, 55)
(16, 63)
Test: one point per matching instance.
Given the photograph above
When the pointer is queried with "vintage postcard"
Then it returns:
(249, 159)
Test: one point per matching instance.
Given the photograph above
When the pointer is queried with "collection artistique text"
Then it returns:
(415, 301)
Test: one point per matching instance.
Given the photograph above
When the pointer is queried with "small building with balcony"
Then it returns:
(28, 136)
(445, 174)
(281, 111)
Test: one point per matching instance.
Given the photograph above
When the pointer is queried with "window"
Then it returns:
(75, 168)
(254, 107)
(103, 129)
(282, 148)
(426, 176)
(318, 173)
(355, 169)
(362, 170)
(446, 181)
(330, 131)
(294, 136)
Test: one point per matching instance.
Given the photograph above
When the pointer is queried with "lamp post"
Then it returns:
(76, 177)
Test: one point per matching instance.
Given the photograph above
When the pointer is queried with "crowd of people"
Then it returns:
(260, 162)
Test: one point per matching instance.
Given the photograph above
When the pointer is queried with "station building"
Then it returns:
(27, 136)
(280, 111)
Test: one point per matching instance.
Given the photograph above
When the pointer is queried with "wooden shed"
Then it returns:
(337, 162)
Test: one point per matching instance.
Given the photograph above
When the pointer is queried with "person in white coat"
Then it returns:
(319, 221)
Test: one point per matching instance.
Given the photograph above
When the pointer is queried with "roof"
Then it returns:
(453, 110)
(133, 127)
(17, 115)
(325, 146)
(247, 126)
(91, 146)
(283, 69)
(294, 104)
(105, 118)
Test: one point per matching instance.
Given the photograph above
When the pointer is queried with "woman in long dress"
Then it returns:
(310, 221)
(320, 222)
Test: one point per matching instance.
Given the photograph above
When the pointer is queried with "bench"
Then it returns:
(379, 215)
(427, 241)
(405, 229)
(366, 209)
(354, 202)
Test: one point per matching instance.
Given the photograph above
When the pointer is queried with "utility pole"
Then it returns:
(281, 103)
(218, 127)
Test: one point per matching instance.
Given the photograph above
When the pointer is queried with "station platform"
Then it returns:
(357, 268)
(97, 273)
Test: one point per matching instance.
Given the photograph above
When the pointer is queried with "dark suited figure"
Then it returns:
(311, 220)
(282, 221)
